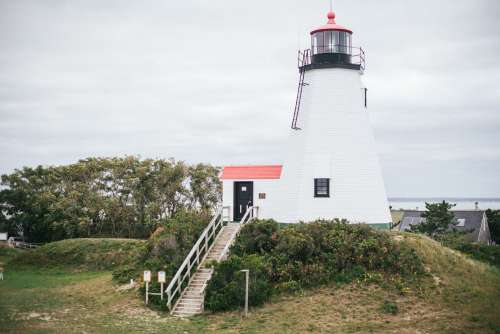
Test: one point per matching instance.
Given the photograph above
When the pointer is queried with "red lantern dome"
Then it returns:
(331, 25)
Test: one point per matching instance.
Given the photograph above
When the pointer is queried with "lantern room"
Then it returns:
(331, 43)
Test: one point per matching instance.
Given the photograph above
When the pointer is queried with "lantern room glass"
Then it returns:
(332, 41)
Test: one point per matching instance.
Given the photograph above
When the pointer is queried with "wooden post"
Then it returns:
(147, 279)
(247, 273)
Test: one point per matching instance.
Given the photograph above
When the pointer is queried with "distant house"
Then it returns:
(475, 223)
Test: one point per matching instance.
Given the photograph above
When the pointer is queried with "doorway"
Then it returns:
(243, 198)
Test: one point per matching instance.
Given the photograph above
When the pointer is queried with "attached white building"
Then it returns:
(331, 169)
(245, 186)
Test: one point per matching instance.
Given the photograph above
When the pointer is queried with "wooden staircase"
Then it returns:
(192, 300)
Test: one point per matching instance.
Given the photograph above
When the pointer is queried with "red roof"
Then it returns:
(251, 172)
(331, 25)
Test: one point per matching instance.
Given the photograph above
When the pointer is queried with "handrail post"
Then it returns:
(206, 242)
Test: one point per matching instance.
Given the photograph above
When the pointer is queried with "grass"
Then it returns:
(461, 296)
(463, 284)
(85, 254)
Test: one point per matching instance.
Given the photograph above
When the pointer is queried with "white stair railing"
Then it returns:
(251, 214)
(195, 257)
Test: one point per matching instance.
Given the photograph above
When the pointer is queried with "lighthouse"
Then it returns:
(331, 169)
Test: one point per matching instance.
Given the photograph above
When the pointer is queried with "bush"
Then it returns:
(226, 289)
(481, 252)
(85, 254)
(257, 238)
(168, 247)
(389, 307)
(307, 255)
(486, 253)
(494, 224)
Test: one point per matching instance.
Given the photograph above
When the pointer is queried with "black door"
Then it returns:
(243, 198)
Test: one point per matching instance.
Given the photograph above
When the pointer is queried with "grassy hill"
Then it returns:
(460, 296)
(88, 254)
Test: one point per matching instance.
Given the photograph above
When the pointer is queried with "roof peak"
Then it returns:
(331, 17)
(331, 24)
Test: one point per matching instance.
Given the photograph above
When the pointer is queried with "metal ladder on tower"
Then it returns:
(190, 281)
(303, 60)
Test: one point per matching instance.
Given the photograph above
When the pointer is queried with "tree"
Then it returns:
(104, 197)
(494, 224)
(437, 219)
(205, 187)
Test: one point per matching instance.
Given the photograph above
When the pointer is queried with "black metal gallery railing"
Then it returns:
(356, 55)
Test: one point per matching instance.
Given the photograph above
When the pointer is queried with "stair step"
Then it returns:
(192, 300)
(183, 309)
(185, 314)
(189, 306)
(194, 290)
(188, 310)
(198, 301)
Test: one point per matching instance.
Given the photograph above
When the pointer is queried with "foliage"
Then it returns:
(494, 224)
(307, 255)
(481, 252)
(103, 197)
(389, 307)
(438, 219)
(486, 253)
(467, 302)
(231, 281)
(257, 238)
(168, 246)
(165, 250)
(84, 254)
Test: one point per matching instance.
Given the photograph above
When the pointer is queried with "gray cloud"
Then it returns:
(215, 82)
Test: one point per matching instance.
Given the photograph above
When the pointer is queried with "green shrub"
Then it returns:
(226, 289)
(295, 245)
(85, 254)
(308, 255)
(389, 307)
(167, 249)
(125, 273)
(486, 253)
(256, 238)
(289, 287)
(481, 252)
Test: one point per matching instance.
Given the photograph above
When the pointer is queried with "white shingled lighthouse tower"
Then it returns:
(332, 169)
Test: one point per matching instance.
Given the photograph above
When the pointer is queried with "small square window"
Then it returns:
(321, 187)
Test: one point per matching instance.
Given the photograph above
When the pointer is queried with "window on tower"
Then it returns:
(332, 41)
(321, 187)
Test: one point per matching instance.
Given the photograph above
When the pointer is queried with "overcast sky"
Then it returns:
(215, 81)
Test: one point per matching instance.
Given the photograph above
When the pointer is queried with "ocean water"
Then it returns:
(461, 203)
